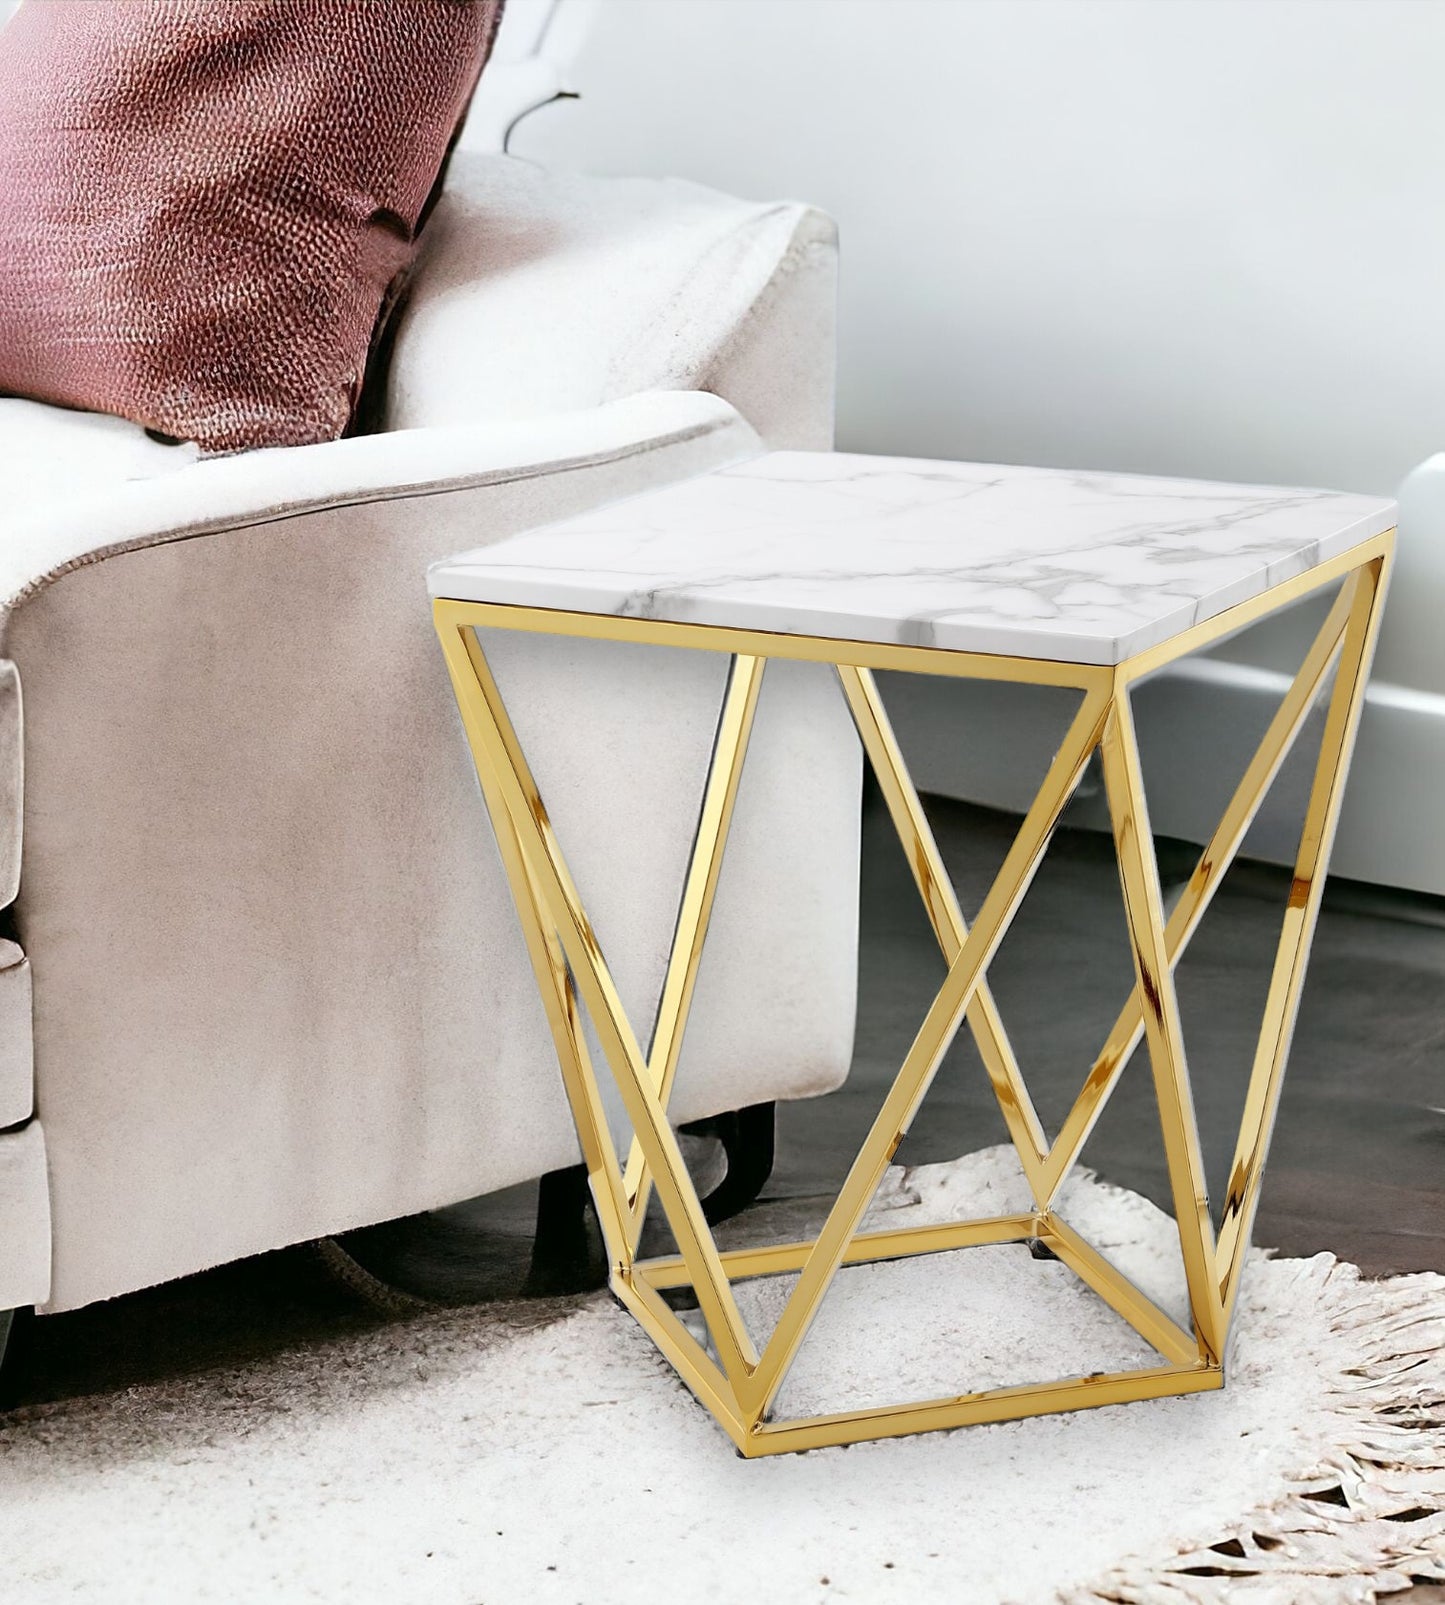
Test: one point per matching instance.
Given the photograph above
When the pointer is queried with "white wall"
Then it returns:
(1198, 237)
(1172, 236)
(1183, 236)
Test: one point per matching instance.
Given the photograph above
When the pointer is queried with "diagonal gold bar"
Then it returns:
(930, 875)
(1306, 891)
(554, 985)
(498, 750)
(604, 1170)
(929, 1046)
(684, 1353)
(1220, 852)
(1117, 1291)
(735, 724)
(1143, 908)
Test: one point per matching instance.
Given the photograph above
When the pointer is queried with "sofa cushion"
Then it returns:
(52, 455)
(205, 204)
(538, 291)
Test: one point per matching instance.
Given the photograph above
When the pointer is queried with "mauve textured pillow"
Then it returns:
(204, 204)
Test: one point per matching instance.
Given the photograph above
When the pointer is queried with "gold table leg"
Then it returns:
(738, 1384)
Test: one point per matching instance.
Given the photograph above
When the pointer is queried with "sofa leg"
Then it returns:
(12, 1330)
(404, 1265)
(567, 1251)
(748, 1137)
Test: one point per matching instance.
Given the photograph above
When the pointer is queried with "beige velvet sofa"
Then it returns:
(262, 981)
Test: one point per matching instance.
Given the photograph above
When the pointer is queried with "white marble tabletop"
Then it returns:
(964, 557)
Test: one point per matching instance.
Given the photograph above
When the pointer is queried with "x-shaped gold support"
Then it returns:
(738, 1384)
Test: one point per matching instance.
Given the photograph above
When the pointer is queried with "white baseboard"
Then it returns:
(1198, 723)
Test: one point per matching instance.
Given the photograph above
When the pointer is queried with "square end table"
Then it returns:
(1081, 580)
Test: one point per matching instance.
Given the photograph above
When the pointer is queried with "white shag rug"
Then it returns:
(470, 1458)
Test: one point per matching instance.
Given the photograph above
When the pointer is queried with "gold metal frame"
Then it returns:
(738, 1384)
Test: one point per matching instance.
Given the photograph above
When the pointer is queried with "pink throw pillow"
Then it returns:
(206, 205)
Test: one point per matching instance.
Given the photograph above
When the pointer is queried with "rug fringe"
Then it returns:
(1369, 1519)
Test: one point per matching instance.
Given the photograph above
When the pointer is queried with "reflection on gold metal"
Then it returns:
(1205, 881)
(725, 771)
(930, 876)
(736, 1383)
(923, 1058)
(1322, 814)
(1154, 979)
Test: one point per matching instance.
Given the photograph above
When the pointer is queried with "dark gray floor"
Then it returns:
(1359, 1159)
(1358, 1162)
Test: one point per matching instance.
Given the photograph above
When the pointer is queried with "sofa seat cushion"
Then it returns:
(52, 455)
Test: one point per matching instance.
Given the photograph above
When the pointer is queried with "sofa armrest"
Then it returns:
(278, 990)
(53, 537)
(47, 540)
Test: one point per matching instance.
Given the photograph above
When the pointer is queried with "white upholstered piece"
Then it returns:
(100, 513)
(25, 1211)
(278, 985)
(541, 291)
(530, 66)
(17, 1084)
(12, 780)
(49, 455)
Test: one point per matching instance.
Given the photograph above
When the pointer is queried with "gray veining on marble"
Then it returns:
(966, 557)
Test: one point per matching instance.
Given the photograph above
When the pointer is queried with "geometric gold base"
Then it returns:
(736, 1383)
(1187, 1374)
